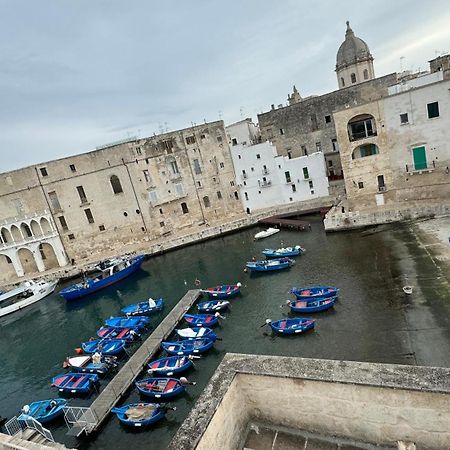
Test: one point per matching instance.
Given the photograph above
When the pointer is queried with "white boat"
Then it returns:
(266, 233)
(20, 298)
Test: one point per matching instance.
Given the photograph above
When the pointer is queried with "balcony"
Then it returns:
(361, 127)
(265, 171)
(265, 184)
(412, 169)
(174, 175)
(244, 176)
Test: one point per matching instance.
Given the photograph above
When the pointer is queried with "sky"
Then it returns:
(77, 74)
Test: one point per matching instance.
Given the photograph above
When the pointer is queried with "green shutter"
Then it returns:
(420, 158)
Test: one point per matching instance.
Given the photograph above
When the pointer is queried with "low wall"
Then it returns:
(379, 404)
(336, 220)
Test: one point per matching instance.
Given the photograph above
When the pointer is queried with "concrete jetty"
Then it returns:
(113, 392)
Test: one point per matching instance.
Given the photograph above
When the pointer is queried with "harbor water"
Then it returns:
(374, 320)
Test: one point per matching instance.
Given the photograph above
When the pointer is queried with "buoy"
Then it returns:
(245, 269)
(78, 350)
(407, 289)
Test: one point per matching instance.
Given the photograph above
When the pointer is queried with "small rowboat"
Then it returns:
(170, 365)
(200, 320)
(127, 334)
(315, 292)
(196, 333)
(104, 346)
(140, 414)
(268, 265)
(75, 383)
(292, 326)
(160, 388)
(85, 364)
(43, 411)
(283, 252)
(318, 305)
(143, 308)
(188, 347)
(127, 322)
(213, 306)
(223, 291)
(266, 233)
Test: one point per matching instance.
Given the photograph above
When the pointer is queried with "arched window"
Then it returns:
(353, 77)
(366, 74)
(115, 183)
(365, 150)
(342, 82)
(206, 201)
(361, 127)
(184, 208)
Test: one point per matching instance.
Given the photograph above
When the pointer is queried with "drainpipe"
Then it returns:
(135, 195)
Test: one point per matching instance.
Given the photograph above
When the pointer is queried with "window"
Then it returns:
(221, 165)
(246, 195)
(314, 125)
(190, 140)
(231, 183)
(252, 169)
(125, 214)
(239, 156)
(265, 170)
(174, 167)
(101, 227)
(203, 136)
(304, 150)
(311, 186)
(152, 197)
(334, 144)
(138, 150)
(318, 147)
(179, 189)
(287, 176)
(219, 195)
(71, 237)
(433, 110)
(166, 145)
(281, 131)
(184, 208)
(234, 141)
(199, 184)
(365, 150)
(197, 168)
(381, 185)
(147, 176)
(330, 163)
(360, 185)
(161, 211)
(82, 194)
(89, 215)
(73, 168)
(206, 201)
(115, 184)
(294, 188)
(353, 78)
(54, 201)
(219, 138)
(366, 74)
(161, 224)
(245, 183)
(419, 158)
(258, 156)
(236, 195)
(289, 153)
(305, 173)
(361, 127)
(63, 223)
(327, 119)
(44, 172)
(404, 118)
(342, 82)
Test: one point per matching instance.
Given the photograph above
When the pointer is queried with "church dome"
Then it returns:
(352, 50)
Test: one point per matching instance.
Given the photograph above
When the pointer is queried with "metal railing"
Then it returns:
(420, 168)
(14, 427)
(79, 416)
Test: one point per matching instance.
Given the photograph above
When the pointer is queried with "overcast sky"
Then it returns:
(76, 74)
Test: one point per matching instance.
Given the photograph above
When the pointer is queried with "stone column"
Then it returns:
(59, 252)
(38, 258)
(16, 264)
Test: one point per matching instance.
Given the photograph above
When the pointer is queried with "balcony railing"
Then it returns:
(244, 176)
(265, 183)
(413, 168)
(265, 171)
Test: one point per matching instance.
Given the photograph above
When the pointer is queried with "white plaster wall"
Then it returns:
(244, 132)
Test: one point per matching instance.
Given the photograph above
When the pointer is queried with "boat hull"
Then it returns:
(157, 415)
(315, 292)
(213, 306)
(292, 326)
(75, 383)
(110, 347)
(270, 265)
(314, 306)
(143, 308)
(221, 292)
(146, 388)
(170, 365)
(188, 347)
(43, 412)
(201, 320)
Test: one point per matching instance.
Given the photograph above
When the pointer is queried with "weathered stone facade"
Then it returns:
(129, 192)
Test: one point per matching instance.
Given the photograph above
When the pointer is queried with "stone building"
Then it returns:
(266, 179)
(307, 126)
(395, 151)
(142, 189)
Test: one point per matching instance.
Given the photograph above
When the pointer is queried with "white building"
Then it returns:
(266, 179)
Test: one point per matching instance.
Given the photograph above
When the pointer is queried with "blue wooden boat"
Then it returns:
(187, 347)
(144, 308)
(196, 333)
(98, 364)
(127, 334)
(223, 291)
(315, 292)
(283, 252)
(200, 320)
(44, 411)
(270, 264)
(316, 305)
(170, 365)
(110, 275)
(292, 326)
(75, 383)
(213, 306)
(140, 414)
(138, 322)
(104, 346)
(160, 388)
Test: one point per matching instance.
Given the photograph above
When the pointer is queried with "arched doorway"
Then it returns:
(45, 225)
(35, 228)
(26, 230)
(27, 260)
(6, 235)
(48, 255)
(16, 234)
(7, 271)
